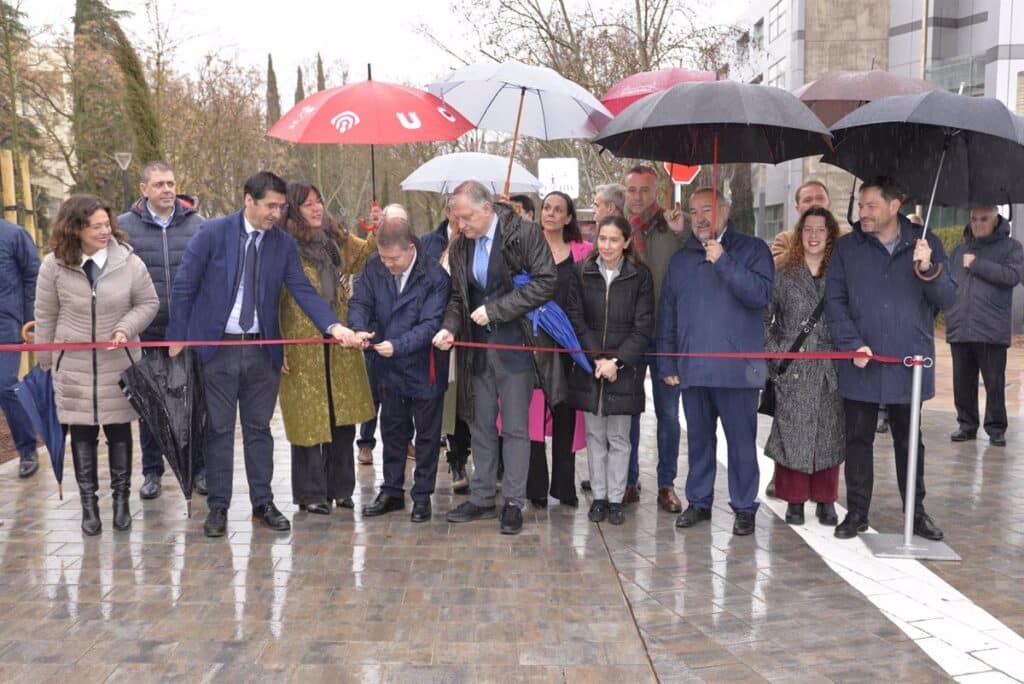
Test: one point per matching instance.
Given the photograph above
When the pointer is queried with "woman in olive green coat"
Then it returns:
(325, 391)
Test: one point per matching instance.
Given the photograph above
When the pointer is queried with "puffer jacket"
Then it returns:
(981, 311)
(68, 309)
(616, 318)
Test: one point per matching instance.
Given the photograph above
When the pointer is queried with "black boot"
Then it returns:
(120, 482)
(83, 455)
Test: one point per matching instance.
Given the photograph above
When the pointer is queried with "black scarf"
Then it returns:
(321, 250)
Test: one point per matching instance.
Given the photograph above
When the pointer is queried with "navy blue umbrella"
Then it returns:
(555, 322)
(35, 392)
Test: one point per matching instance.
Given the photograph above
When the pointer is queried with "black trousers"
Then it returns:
(458, 445)
(563, 461)
(861, 420)
(400, 417)
(969, 359)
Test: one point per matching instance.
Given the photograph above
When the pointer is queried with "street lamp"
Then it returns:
(124, 160)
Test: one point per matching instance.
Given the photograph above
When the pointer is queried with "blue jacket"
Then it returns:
(436, 241)
(718, 307)
(19, 266)
(874, 299)
(409, 321)
(161, 250)
(206, 284)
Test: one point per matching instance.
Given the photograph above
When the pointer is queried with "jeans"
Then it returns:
(18, 421)
(666, 411)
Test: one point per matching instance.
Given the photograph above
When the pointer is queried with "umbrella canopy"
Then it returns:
(168, 394)
(370, 113)
(444, 173)
(744, 122)
(964, 151)
(838, 93)
(509, 95)
(553, 320)
(35, 393)
(632, 88)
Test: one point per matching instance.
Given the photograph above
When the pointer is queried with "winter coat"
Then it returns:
(68, 309)
(19, 266)
(808, 431)
(874, 299)
(436, 241)
(617, 318)
(984, 295)
(409, 320)
(661, 246)
(160, 249)
(303, 392)
(716, 307)
(523, 249)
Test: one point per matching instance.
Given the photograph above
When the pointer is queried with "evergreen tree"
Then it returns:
(321, 80)
(13, 38)
(273, 99)
(300, 92)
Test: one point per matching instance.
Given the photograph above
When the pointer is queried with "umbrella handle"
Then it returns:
(928, 216)
(27, 330)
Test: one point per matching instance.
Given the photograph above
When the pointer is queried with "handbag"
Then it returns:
(766, 404)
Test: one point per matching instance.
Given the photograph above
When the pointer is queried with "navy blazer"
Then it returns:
(409, 321)
(204, 288)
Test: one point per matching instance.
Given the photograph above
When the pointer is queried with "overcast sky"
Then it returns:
(382, 32)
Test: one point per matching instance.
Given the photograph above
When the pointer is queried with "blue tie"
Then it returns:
(247, 315)
(480, 259)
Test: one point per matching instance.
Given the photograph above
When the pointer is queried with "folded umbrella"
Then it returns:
(35, 394)
(444, 173)
(168, 394)
(553, 320)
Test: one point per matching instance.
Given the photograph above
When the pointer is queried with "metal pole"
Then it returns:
(935, 188)
(914, 444)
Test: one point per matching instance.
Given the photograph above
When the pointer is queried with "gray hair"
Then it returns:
(614, 193)
(393, 210)
(990, 207)
(723, 201)
(158, 165)
(476, 192)
(393, 230)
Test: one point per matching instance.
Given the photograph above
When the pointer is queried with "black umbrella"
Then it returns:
(941, 147)
(168, 395)
(716, 121)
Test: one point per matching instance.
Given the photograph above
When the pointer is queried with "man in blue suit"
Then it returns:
(712, 300)
(399, 304)
(228, 288)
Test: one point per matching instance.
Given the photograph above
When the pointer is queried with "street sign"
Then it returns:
(681, 173)
(559, 173)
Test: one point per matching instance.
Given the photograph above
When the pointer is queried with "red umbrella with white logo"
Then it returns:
(370, 113)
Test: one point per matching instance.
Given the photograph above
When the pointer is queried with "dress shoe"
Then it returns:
(151, 487)
(743, 525)
(632, 494)
(347, 502)
(460, 480)
(365, 456)
(795, 514)
(384, 503)
(271, 517)
(852, 525)
(316, 508)
(693, 515)
(467, 511)
(199, 483)
(668, 501)
(616, 516)
(997, 440)
(585, 485)
(962, 435)
(216, 524)
(925, 528)
(540, 502)
(598, 510)
(29, 464)
(826, 513)
(420, 511)
(770, 489)
(511, 519)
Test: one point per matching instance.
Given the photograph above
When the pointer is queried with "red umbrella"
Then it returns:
(370, 113)
(838, 93)
(632, 88)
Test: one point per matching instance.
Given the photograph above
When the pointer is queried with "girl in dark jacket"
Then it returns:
(611, 307)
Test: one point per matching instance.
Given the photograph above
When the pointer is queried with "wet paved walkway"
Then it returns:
(342, 599)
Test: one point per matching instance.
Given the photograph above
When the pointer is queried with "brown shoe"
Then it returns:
(668, 501)
(632, 494)
(365, 456)
(770, 489)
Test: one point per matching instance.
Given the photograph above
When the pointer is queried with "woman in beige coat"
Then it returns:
(92, 288)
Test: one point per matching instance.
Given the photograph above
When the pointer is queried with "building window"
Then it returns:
(758, 37)
(776, 74)
(773, 217)
(776, 20)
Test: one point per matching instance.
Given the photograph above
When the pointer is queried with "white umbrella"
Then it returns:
(515, 97)
(442, 174)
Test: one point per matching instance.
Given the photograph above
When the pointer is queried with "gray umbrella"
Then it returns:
(946, 148)
(744, 122)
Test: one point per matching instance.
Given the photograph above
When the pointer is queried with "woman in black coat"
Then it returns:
(611, 307)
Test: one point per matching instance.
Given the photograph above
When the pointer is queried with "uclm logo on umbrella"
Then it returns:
(303, 113)
(345, 121)
(409, 120)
